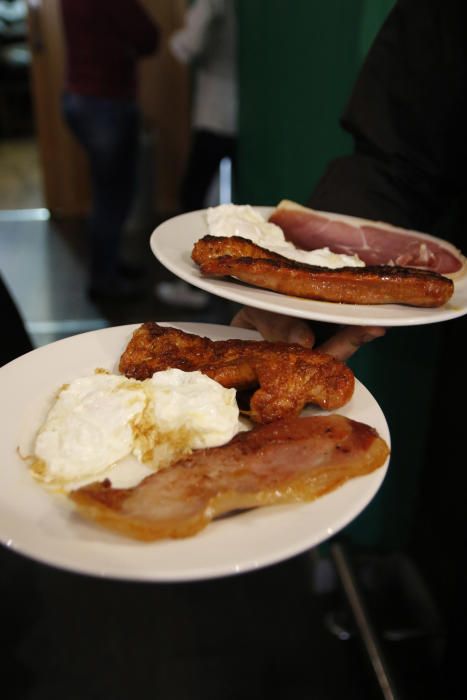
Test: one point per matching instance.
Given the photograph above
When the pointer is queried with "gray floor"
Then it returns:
(44, 265)
(259, 635)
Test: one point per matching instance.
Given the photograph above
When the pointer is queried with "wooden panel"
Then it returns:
(64, 168)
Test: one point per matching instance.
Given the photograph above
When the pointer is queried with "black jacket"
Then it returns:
(408, 117)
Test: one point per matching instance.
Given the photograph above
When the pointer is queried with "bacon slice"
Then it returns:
(289, 461)
(378, 284)
(289, 376)
(376, 243)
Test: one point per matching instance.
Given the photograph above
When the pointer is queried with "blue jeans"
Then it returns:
(108, 131)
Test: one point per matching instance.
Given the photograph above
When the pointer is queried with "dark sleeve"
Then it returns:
(407, 117)
(135, 25)
(16, 340)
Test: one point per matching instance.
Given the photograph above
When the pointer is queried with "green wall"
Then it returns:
(297, 63)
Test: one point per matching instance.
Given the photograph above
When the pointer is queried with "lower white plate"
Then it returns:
(45, 526)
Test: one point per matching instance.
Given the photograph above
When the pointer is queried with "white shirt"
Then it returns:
(208, 39)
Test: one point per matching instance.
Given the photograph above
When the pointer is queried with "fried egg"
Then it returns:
(185, 411)
(97, 422)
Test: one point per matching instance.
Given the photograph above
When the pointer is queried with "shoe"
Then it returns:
(120, 289)
(181, 294)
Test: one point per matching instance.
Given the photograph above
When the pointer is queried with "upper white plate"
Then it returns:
(172, 243)
(45, 526)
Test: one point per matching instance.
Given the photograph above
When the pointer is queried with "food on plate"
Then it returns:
(289, 376)
(97, 421)
(289, 461)
(376, 243)
(211, 247)
(242, 245)
(376, 284)
(242, 221)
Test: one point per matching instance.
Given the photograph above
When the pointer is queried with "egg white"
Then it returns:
(108, 426)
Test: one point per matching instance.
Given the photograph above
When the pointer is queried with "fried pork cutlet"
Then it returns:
(377, 284)
(289, 376)
(288, 461)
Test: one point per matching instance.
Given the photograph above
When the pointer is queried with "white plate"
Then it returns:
(172, 243)
(45, 526)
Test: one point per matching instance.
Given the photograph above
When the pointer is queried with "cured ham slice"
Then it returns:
(289, 461)
(375, 243)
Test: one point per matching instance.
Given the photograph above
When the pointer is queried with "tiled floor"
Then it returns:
(260, 635)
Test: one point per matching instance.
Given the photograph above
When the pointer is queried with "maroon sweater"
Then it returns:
(104, 40)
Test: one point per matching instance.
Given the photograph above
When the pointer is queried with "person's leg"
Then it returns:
(207, 151)
(113, 157)
(16, 340)
(108, 130)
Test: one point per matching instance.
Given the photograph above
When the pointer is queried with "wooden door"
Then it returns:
(64, 170)
(164, 100)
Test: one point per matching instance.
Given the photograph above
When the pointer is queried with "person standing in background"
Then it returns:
(208, 42)
(103, 44)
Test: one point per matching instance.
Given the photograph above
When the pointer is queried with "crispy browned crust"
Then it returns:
(289, 376)
(214, 246)
(289, 461)
(380, 284)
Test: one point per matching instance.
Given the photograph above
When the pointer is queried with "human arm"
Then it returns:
(341, 341)
(16, 341)
(188, 43)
